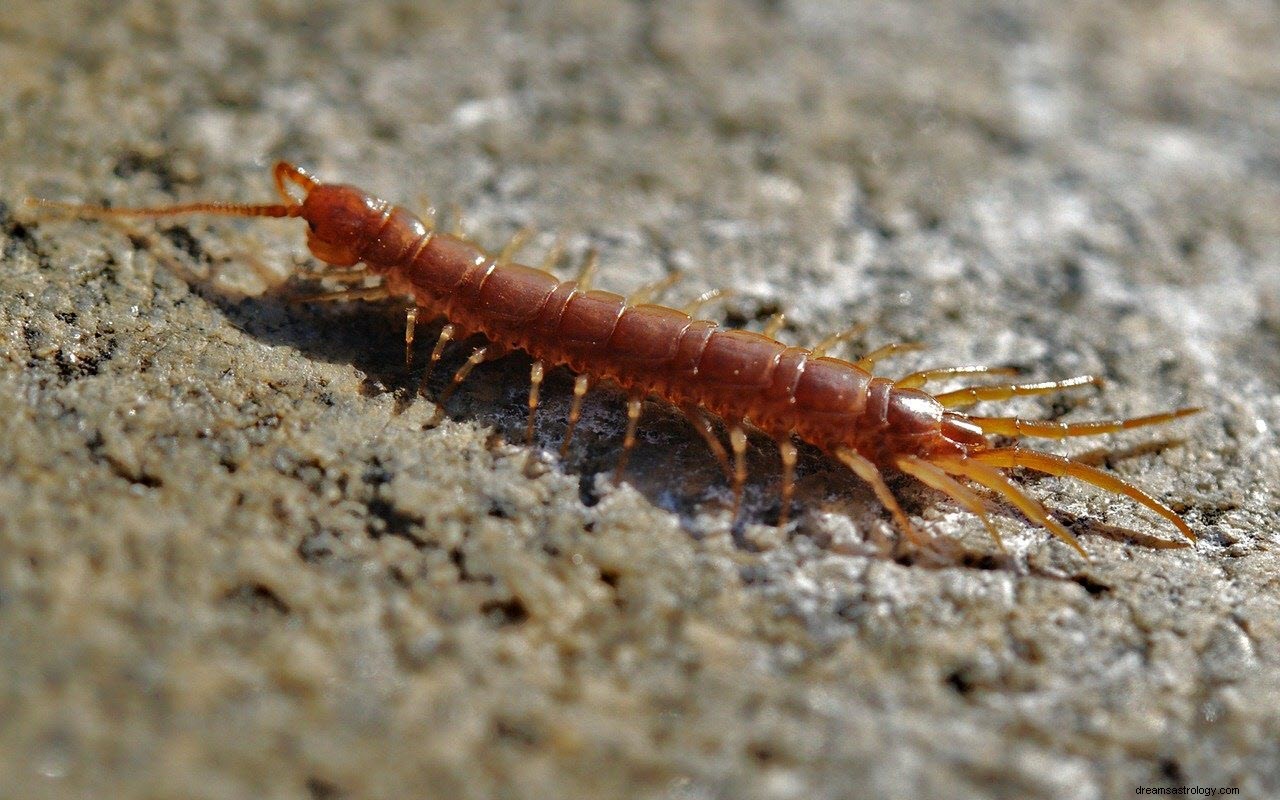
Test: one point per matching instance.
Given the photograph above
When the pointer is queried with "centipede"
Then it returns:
(729, 383)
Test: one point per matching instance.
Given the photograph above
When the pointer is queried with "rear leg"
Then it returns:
(970, 395)
(1049, 429)
(1063, 467)
(915, 380)
(996, 481)
(936, 478)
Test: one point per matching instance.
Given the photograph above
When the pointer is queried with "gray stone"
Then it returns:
(239, 558)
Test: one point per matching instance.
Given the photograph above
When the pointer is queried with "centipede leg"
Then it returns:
(917, 379)
(880, 353)
(513, 245)
(478, 356)
(695, 305)
(535, 385)
(580, 386)
(788, 453)
(996, 481)
(410, 326)
(820, 349)
(936, 478)
(446, 335)
(776, 323)
(553, 255)
(649, 291)
(868, 472)
(698, 418)
(738, 443)
(635, 404)
(587, 273)
(345, 295)
(970, 395)
(1064, 467)
(1048, 429)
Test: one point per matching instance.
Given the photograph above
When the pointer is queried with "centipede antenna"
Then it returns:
(88, 211)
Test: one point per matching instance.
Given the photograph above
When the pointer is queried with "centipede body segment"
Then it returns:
(869, 423)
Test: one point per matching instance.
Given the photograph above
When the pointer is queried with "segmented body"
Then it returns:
(869, 423)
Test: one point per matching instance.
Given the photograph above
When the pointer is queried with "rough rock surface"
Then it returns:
(238, 559)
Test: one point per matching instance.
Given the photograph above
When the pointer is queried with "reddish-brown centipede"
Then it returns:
(746, 379)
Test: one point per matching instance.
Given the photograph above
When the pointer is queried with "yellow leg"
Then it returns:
(868, 472)
(820, 349)
(646, 293)
(344, 295)
(517, 241)
(446, 335)
(588, 272)
(917, 379)
(696, 304)
(936, 478)
(580, 386)
(410, 324)
(787, 451)
(1048, 429)
(698, 418)
(775, 324)
(478, 356)
(996, 481)
(977, 394)
(869, 361)
(635, 404)
(535, 385)
(738, 443)
(1063, 467)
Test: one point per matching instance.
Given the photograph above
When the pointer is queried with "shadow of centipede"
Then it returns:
(670, 467)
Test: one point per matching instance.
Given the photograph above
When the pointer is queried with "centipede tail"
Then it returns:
(750, 381)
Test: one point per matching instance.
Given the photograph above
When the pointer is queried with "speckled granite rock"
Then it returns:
(238, 559)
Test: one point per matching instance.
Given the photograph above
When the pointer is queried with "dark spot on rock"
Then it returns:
(506, 611)
(258, 598)
(1090, 585)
